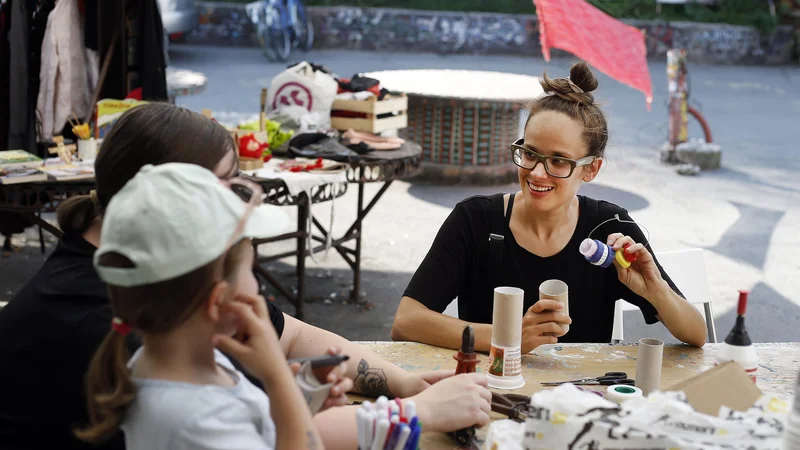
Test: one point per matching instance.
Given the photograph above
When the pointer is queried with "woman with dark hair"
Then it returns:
(543, 226)
(52, 327)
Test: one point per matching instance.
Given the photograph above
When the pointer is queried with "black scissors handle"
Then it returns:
(614, 375)
(607, 382)
(592, 381)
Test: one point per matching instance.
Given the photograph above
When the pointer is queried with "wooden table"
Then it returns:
(778, 365)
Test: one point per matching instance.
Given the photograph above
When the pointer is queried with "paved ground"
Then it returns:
(745, 215)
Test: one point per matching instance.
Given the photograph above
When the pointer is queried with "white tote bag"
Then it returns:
(305, 87)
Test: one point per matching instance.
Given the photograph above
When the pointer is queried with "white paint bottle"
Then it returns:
(737, 346)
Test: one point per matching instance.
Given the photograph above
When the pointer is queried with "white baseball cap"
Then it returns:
(174, 218)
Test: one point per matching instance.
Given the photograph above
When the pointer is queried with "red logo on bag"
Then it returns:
(293, 93)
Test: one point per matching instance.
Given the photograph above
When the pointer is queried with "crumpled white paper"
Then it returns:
(569, 418)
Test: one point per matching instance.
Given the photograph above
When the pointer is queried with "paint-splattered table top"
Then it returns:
(778, 366)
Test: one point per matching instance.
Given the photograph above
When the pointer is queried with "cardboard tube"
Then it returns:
(648, 365)
(507, 316)
(505, 357)
(559, 291)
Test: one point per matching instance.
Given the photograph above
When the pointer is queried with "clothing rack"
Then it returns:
(137, 25)
(128, 33)
(139, 32)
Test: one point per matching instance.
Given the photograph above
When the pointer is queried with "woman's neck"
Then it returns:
(92, 234)
(545, 224)
(180, 355)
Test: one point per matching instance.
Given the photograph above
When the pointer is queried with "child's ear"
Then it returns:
(217, 296)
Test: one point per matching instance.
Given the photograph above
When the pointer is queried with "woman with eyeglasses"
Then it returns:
(536, 235)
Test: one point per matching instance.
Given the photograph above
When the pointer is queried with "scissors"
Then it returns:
(609, 379)
(514, 406)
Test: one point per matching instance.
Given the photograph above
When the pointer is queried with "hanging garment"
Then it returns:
(151, 59)
(5, 7)
(18, 76)
(64, 86)
(39, 12)
(90, 25)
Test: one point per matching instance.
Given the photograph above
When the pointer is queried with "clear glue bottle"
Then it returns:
(738, 346)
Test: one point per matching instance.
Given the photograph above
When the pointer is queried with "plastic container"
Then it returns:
(737, 346)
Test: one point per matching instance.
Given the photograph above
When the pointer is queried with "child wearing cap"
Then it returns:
(176, 254)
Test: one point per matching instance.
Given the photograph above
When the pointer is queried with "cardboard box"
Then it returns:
(727, 384)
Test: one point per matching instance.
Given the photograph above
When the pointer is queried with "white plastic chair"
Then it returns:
(687, 269)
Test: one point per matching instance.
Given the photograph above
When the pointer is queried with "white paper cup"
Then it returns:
(87, 149)
(559, 291)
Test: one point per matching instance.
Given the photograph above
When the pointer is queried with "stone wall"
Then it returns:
(384, 29)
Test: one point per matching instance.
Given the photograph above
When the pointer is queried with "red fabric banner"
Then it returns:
(614, 48)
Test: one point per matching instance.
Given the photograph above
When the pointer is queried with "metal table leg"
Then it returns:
(300, 253)
(353, 256)
(37, 220)
(41, 233)
(355, 294)
(303, 210)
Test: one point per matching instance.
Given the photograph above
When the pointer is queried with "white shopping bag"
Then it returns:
(302, 86)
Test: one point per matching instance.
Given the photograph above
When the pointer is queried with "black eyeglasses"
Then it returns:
(555, 166)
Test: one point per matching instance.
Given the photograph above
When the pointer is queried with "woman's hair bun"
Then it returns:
(577, 88)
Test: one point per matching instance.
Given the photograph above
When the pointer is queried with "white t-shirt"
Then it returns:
(168, 415)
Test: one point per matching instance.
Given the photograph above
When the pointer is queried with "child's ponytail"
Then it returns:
(110, 389)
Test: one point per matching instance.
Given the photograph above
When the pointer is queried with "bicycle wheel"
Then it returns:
(304, 28)
(266, 48)
(279, 30)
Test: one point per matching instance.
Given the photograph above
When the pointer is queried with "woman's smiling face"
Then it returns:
(551, 133)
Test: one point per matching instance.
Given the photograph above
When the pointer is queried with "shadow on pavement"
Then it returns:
(748, 239)
(328, 305)
(764, 323)
(747, 178)
(448, 196)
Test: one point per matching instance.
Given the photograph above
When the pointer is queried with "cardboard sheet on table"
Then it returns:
(724, 385)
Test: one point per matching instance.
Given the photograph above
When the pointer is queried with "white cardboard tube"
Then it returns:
(648, 365)
(505, 358)
(559, 291)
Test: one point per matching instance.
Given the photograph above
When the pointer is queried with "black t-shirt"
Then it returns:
(457, 265)
(48, 334)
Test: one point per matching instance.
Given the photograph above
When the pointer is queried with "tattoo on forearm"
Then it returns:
(371, 381)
